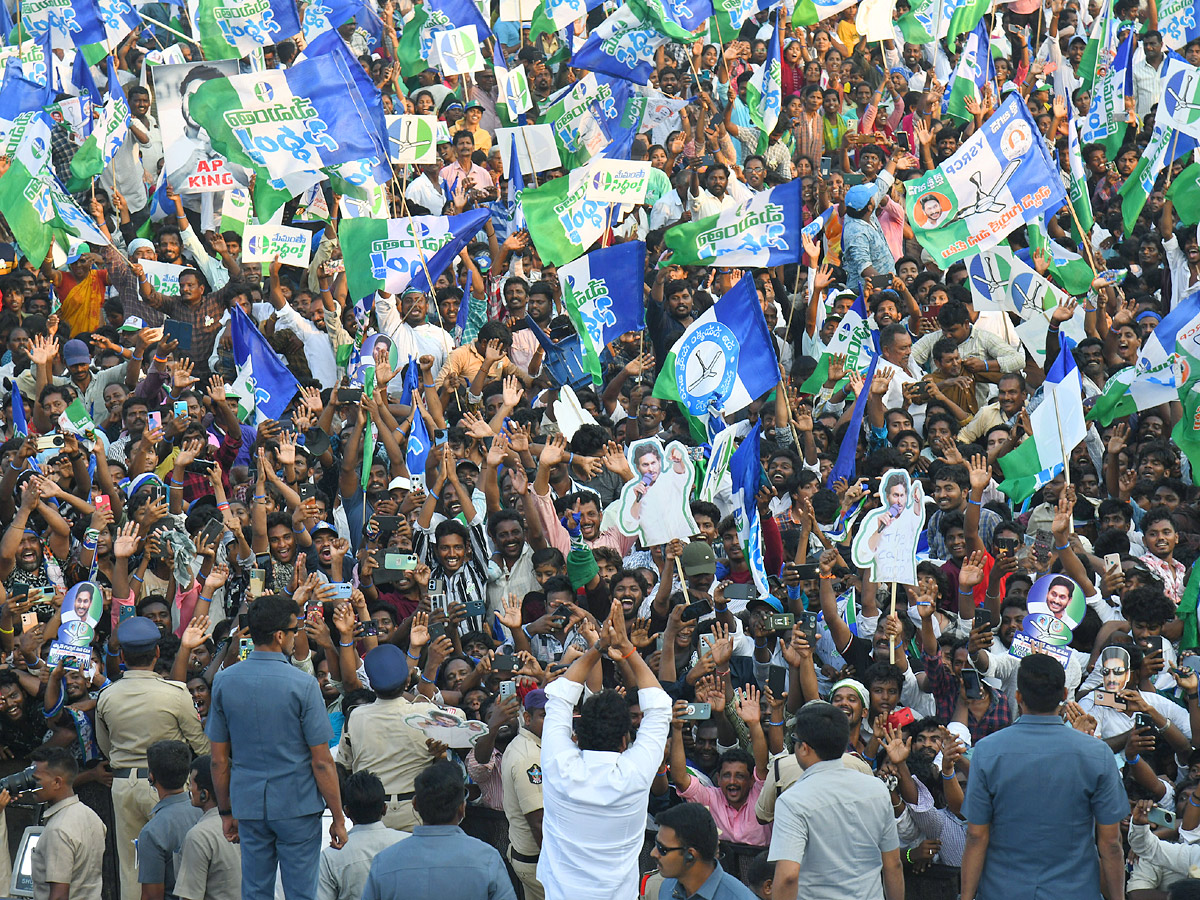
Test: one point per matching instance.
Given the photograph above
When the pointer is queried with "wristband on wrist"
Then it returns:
(351, 644)
(424, 679)
(946, 777)
(632, 651)
(225, 812)
(525, 628)
(6, 630)
(776, 724)
(203, 598)
(1066, 546)
(721, 674)
(1192, 801)
(967, 591)
(410, 656)
(1134, 761)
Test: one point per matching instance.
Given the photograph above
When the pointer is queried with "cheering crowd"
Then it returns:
(424, 594)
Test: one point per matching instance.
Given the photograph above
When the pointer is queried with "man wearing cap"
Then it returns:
(521, 778)
(377, 739)
(135, 711)
(865, 250)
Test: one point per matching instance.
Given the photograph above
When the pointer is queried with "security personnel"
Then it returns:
(521, 778)
(135, 711)
(377, 739)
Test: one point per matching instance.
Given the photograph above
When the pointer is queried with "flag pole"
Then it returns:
(167, 28)
(1062, 444)
(892, 638)
(1086, 238)
(1171, 161)
(529, 153)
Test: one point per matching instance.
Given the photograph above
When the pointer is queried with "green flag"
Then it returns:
(1186, 611)
(1077, 187)
(562, 222)
(417, 38)
(1068, 270)
(1184, 194)
(965, 17)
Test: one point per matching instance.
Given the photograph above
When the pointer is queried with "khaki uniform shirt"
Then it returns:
(378, 740)
(210, 868)
(521, 777)
(141, 708)
(782, 772)
(70, 851)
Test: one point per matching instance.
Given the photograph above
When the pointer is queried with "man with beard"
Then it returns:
(134, 416)
(23, 557)
(413, 336)
(933, 797)
(739, 777)
(667, 318)
(585, 503)
(511, 571)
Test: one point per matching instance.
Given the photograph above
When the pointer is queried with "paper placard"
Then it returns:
(456, 51)
(618, 181)
(536, 149)
(1024, 644)
(518, 10)
(78, 659)
(262, 243)
(412, 139)
(163, 277)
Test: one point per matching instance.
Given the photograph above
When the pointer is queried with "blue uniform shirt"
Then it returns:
(271, 714)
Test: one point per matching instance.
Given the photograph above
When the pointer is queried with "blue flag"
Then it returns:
(263, 383)
(81, 77)
(817, 225)
(20, 426)
(516, 184)
(6, 22)
(745, 470)
(463, 13)
(418, 445)
(330, 43)
(844, 465)
(602, 293)
(19, 95)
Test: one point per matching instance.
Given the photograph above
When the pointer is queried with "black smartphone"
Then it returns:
(808, 571)
(367, 629)
(903, 142)
(983, 618)
(181, 332)
(306, 491)
(349, 395)
(1144, 720)
(212, 530)
(972, 686)
(695, 610)
(437, 630)
(777, 680)
(503, 662)
(881, 282)
(1007, 546)
(476, 608)
(387, 523)
(739, 591)
(808, 627)
(243, 621)
(199, 466)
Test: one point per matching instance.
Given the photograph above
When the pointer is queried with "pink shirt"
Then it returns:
(738, 825)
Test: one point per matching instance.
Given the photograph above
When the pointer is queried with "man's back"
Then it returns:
(439, 862)
(1042, 787)
(210, 868)
(835, 823)
(161, 838)
(140, 708)
(343, 873)
(595, 801)
(270, 713)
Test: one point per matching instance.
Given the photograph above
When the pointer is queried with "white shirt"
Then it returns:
(707, 205)
(412, 343)
(595, 801)
(667, 211)
(318, 349)
(1110, 723)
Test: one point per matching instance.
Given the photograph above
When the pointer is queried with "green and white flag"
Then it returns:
(24, 193)
(1184, 195)
(231, 29)
(1058, 428)
(163, 277)
(108, 134)
(1101, 46)
(852, 339)
(416, 40)
(1160, 368)
(602, 293)
(764, 90)
(1078, 194)
(1068, 269)
(236, 210)
(563, 223)
(974, 70)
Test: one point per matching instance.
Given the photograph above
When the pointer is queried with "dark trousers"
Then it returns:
(293, 846)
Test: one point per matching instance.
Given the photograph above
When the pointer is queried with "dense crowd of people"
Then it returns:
(227, 634)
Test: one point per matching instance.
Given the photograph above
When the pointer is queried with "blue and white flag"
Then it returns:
(516, 184)
(117, 19)
(263, 384)
(687, 14)
(1178, 23)
(20, 95)
(1106, 114)
(974, 72)
(330, 44)
(394, 254)
(745, 470)
(512, 85)
(1179, 106)
(817, 225)
(326, 15)
(1001, 178)
(463, 13)
(844, 465)
(285, 121)
(722, 362)
(624, 44)
(418, 445)
(20, 426)
(602, 293)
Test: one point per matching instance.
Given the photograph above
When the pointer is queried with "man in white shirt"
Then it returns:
(716, 199)
(318, 349)
(413, 335)
(596, 788)
(671, 206)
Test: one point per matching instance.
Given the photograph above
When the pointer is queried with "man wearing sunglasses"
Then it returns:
(686, 852)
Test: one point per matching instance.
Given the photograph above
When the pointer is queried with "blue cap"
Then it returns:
(324, 526)
(386, 668)
(860, 195)
(138, 635)
(535, 699)
(75, 352)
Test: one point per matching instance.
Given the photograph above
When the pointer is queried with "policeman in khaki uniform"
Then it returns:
(132, 713)
(521, 778)
(376, 738)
